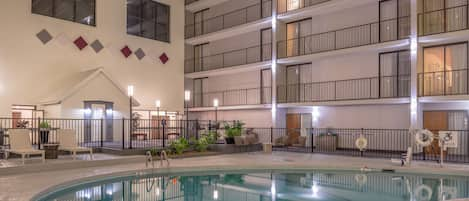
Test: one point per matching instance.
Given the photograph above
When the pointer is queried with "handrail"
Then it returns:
(370, 88)
(300, 6)
(442, 21)
(439, 85)
(148, 159)
(249, 55)
(371, 30)
(232, 97)
(164, 157)
(222, 18)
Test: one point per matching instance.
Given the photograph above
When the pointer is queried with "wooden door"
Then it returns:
(435, 121)
(16, 118)
(293, 126)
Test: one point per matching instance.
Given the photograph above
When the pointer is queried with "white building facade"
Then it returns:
(390, 64)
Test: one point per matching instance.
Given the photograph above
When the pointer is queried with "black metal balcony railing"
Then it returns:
(286, 5)
(372, 33)
(228, 59)
(443, 83)
(251, 96)
(187, 2)
(340, 90)
(231, 19)
(443, 20)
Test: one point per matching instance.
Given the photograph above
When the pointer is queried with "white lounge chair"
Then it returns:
(405, 158)
(68, 142)
(20, 143)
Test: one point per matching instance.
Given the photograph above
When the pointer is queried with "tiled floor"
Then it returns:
(22, 187)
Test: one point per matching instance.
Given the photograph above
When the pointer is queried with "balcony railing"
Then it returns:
(289, 5)
(187, 2)
(231, 19)
(341, 90)
(228, 59)
(443, 20)
(443, 83)
(373, 33)
(251, 96)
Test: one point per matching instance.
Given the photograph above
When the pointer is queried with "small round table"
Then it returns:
(51, 151)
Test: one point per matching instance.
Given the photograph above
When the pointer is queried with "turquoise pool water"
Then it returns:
(268, 185)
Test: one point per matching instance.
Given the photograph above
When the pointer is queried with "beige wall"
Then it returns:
(28, 69)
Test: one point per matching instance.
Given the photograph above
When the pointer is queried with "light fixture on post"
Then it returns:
(215, 104)
(187, 99)
(130, 93)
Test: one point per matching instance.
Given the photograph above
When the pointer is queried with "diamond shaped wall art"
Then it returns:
(140, 54)
(97, 46)
(164, 58)
(44, 36)
(126, 51)
(80, 43)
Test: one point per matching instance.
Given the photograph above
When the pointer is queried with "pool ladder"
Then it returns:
(163, 157)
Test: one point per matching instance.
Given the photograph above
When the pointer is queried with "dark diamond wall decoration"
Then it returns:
(164, 58)
(126, 51)
(140, 54)
(97, 46)
(44, 36)
(80, 43)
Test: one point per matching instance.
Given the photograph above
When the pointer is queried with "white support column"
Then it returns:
(274, 63)
(414, 104)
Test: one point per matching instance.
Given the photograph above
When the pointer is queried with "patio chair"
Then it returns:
(68, 142)
(405, 159)
(20, 143)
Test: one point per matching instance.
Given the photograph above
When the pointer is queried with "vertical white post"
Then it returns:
(274, 62)
(414, 104)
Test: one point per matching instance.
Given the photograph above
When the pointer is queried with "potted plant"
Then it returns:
(44, 129)
(232, 131)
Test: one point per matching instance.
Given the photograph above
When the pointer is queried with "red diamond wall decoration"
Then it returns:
(80, 43)
(164, 58)
(126, 51)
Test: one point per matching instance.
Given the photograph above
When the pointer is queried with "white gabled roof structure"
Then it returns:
(76, 82)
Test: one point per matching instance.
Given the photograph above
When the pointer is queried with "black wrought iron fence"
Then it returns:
(238, 57)
(231, 19)
(355, 36)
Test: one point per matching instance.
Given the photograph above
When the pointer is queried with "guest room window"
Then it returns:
(80, 11)
(148, 19)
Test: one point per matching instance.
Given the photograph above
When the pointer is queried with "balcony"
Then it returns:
(346, 90)
(356, 36)
(443, 83)
(289, 5)
(443, 20)
(235, 97)
(232, 19)
(233, 58)
(187, 2)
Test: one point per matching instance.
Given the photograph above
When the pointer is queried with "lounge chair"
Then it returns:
(300, 142)
(68, 142)
(405, 159)
(20, 143)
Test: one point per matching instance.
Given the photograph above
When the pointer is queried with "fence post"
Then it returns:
(102, 131)
(39, 134)
(271, 135)
(312, 140)
(164, 132)
(361, 151)
(131, 131)
(123, 133)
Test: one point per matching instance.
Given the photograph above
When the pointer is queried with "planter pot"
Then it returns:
(229, 140)
(44, 136)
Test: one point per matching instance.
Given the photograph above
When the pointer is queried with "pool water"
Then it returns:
(268, 186)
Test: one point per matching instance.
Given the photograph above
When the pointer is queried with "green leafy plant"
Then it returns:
(44, 125)
(179, 146)
(234, 130)
(201, 145)
(210, 136)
